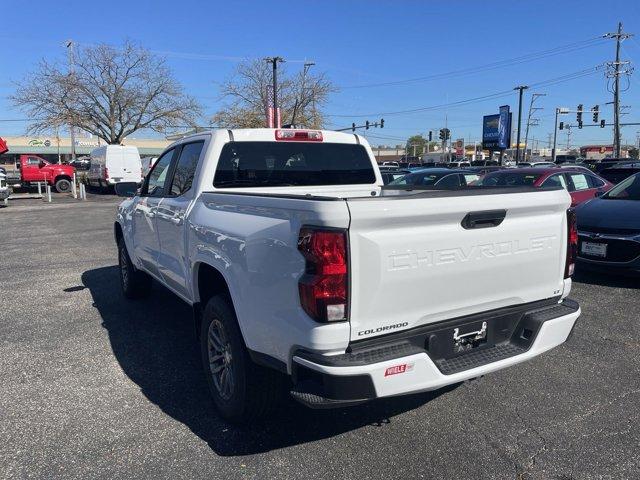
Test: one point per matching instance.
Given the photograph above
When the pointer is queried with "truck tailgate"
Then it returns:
(413, 263)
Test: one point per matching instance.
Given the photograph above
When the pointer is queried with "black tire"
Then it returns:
(255, 390)
(63, 185)
(134, 283)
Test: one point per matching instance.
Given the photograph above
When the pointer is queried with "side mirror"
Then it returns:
(41, 164)
(126, 189)
(18, 165)
(600, 193)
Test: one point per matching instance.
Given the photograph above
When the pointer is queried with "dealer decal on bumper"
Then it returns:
(396, 369)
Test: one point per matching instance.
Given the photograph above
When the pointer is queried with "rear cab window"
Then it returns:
(271, 164)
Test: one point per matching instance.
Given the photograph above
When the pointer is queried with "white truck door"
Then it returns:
(146, 245)
(170, 218)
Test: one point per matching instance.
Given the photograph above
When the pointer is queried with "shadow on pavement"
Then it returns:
(153, 341)
(595, 277)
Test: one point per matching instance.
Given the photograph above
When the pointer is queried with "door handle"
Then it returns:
(484, 219)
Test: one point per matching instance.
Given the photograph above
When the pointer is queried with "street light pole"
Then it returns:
(521, 88)
(71, 126)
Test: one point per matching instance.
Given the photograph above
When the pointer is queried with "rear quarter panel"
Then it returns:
(252, 241)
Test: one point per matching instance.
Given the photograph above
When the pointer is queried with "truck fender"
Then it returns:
(215, 282)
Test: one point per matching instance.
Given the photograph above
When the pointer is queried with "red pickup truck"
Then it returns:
(34, 169)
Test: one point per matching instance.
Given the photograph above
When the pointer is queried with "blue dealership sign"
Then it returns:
(496, 130)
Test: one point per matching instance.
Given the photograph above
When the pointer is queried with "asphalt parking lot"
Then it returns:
(93, 386)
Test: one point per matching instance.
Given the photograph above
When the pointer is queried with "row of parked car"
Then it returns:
(607, 203)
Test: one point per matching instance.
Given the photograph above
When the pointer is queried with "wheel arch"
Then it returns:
(209, 281)
(62, 176)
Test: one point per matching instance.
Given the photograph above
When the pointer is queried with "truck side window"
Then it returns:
(186, 168)
(158, 176)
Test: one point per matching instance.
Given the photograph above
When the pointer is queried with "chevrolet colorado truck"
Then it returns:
(304, 271)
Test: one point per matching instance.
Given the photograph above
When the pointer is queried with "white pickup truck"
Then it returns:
(304, 271)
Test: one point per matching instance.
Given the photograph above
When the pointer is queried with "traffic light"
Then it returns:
(561, 126)
(602, 123)
(580, 124)
(353, 127)
(579, 114)
(430, 135)
(382, 123)
(442, 137)
(595, 111)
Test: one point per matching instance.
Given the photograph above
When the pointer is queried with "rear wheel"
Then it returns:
(63, 185)
(134, 283)
(241, 390)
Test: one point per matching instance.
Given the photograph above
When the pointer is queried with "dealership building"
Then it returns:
(54, 148)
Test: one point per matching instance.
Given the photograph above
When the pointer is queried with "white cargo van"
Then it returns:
(113, 164)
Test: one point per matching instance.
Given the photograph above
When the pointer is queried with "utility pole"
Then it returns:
(529, 120)
(274, 61)
(615, 66)
(72, 72)
(521, 88)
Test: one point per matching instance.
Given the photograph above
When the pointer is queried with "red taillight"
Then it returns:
(572, 243)
(299, 135)
(106, 172)
(323, 288)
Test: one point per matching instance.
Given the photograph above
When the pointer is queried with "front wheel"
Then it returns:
(63, 185)
(134, 283)
(241, 390)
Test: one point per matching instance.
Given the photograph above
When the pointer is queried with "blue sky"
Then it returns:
(358, 43)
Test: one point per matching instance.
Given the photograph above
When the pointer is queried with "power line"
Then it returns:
(482, 98)
(491, 66)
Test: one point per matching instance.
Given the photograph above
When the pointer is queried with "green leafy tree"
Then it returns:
(417, 141)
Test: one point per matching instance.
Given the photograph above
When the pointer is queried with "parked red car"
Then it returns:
(34, 169)
(582, 186)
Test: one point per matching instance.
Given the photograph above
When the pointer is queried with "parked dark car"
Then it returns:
(566, 158)
(484, 163)
(609, 229)
(391, 174)
(581, 186)
(599, 165)
(437, 177)
(620, 171)
(486, 169)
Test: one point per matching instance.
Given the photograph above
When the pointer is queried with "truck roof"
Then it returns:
(269, 135)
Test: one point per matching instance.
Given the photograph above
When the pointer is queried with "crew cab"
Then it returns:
(288, 248)
(34, 169)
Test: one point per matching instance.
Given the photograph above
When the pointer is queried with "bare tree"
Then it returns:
(110, 93)
(301, 97)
